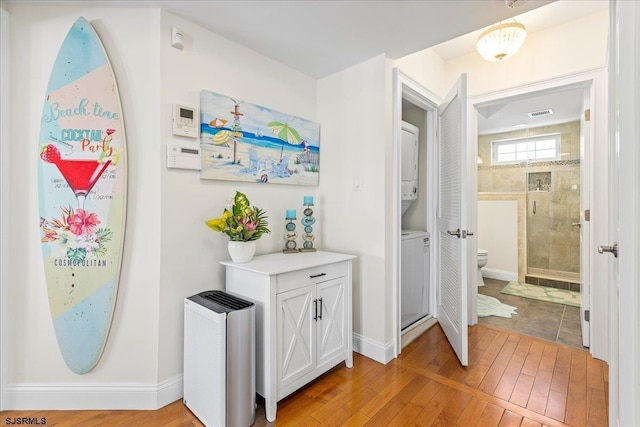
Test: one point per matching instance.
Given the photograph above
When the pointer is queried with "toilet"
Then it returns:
(483, 257)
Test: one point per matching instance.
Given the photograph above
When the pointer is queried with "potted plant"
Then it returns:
(243, 224)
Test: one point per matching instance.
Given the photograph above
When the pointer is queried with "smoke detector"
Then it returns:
(515, 3)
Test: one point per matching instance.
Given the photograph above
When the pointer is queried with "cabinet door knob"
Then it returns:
(317, 275)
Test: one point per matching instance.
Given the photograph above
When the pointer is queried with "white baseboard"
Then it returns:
(373, 349)
(50, 396)
(492, 273)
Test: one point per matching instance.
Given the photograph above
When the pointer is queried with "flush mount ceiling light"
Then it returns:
(501, 41)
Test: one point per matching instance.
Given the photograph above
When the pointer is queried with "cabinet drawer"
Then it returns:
(310, 276)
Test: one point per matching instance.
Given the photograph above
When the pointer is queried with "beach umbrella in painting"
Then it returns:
(286, 133)
(217, 123)
(221, 138)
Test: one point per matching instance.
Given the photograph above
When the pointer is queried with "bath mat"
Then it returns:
(543, 293)
(490, 306)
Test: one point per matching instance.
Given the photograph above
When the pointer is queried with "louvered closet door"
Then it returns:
(451, 212)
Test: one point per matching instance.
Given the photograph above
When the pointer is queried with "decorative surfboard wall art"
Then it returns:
(82, 195)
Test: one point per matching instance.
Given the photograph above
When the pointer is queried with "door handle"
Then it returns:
(460, 233)
(315, 314)
(612, 249)
(320, 315)
(576, 224)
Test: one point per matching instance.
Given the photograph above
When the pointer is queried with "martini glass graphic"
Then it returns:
(80, 174)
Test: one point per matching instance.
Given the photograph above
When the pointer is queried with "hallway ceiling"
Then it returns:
(321, 37)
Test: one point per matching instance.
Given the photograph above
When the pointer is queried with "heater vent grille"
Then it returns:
(539, 113)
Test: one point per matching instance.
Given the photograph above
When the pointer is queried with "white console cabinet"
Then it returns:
(303, 317)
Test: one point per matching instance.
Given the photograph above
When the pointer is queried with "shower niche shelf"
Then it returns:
(539, 181)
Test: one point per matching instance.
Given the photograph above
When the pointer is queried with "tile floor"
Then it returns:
(547, 320)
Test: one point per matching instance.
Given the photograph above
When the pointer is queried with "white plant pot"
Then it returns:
(242, 251)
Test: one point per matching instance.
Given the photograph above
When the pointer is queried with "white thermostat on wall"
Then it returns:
(183, 157)
(185, 121)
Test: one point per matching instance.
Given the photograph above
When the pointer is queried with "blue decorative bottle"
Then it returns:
(307, 223)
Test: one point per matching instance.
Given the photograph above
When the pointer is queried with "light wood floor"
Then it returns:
(512, 380)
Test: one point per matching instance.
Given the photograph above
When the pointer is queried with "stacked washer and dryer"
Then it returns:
(415, 244)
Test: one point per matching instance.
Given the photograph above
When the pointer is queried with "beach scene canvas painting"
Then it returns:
(241, 141)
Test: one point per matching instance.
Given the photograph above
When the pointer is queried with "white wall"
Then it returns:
(352, 110)
(498, 234)
(427, 68)
(190, 252)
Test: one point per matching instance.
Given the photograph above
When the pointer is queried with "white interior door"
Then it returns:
(584, 222)
(624, 215)
(451, 218)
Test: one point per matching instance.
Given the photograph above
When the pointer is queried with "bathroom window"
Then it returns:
(534, 148)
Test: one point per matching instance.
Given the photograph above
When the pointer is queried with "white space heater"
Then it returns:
(219, 359)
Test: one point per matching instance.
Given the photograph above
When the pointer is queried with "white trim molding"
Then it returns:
(492, 273)
(103, 396)
(382, 353)
(5, 124)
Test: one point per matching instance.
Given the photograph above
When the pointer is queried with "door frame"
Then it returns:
(596, 79)
(404, 87)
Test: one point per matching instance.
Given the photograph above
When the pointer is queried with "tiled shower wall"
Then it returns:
(553, 243)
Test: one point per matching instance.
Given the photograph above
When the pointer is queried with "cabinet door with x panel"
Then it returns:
(332, 321)
(296, 336)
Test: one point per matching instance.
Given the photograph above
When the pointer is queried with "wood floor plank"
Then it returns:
(426, 393)
(531, 363)
(431, 413)
(556, 406)
(455, 406)
(493, 376)
(530, 423)
(491, 416)
(510, 419)
(595, 375)
(405, 416)
(387, 393)
(548, 359)
(597, 408)
(540, 391)
(561, 371)
(576, 396)
(472, 412)
(341, 408)
(522, 390)
(507, 382)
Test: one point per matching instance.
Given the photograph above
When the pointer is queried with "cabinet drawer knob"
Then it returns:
(318, 275)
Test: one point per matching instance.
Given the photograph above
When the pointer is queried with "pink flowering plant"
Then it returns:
(240, 221)
(78, 232)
